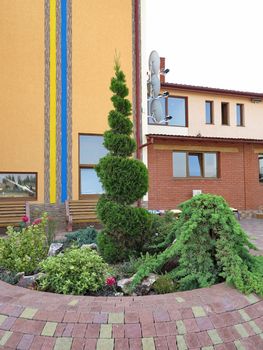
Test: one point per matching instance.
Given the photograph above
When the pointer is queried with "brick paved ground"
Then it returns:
(217, 318)
(254, 227)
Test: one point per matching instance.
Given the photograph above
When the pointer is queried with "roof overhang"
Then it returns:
(202, 138)
(214, 91)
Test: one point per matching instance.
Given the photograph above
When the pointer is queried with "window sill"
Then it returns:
(176, 126)
(198, 178)
(18, 199)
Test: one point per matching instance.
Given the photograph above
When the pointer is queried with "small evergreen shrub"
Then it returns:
(86, 235)
(164, 284)
(162, 232)
(109, 249)
(21, 251)
(210, 247)
(129, 268)
(77, 271)
(9, 277)
(124, 179)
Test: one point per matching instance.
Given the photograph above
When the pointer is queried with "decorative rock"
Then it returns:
(55, 248)
(142, 289)
(149, 281)
(118, 294)
(124, 283)
(28, 281)
(90, 246)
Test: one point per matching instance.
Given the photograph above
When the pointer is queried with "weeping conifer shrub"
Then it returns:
(124, 179)
(210, 247)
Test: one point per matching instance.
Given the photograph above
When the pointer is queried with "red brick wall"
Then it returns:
(237, 183)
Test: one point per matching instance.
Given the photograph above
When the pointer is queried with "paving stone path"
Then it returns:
(211, 318)
(217, 318)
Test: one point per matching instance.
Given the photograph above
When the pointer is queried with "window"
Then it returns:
(224, 113)
(209, 112)
(91, 149)
(260, 165)
(18, 186)
(240, 114)
(194, 164)
(175, 107)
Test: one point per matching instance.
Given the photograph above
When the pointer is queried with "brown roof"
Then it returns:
(203, 138)
(193, 88)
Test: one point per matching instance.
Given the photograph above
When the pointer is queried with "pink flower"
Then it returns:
(36, 222)
(110, 281)
(25, 218)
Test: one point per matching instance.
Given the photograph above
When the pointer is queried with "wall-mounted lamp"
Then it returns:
(256, 99)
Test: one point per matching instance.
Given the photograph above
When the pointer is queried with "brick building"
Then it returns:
(213, 143)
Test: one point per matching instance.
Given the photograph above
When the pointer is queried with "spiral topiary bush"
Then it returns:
(124, 179)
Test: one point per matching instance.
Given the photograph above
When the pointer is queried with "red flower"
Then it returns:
(110, 281)
(25, 218)
(37, 222)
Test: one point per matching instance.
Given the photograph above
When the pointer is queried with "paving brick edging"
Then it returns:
(211, 318)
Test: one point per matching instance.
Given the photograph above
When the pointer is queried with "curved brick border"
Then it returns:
(211, 318)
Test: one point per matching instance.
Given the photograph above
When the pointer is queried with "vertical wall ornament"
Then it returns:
(58, 123)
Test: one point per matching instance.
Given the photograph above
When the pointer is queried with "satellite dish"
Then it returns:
(156, 110)
(156, 85)
(154, 63)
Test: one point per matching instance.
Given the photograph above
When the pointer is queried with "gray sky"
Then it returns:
(216, 43)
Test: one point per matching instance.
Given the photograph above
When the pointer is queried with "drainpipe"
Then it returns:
(147, 143)
(244, 172)
(137, 34)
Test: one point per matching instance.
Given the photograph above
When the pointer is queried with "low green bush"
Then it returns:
(130, 267)
(162, 232)
(210, 247)
(164, 284)
(86, 235)
(21, 251)
(110, 250)
(76, 271)
(9, 277)
(126, 226)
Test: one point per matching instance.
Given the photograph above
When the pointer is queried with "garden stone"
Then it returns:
(28, 281)
(55, 248)
(146, 285)
(90, 246)
(124, 284)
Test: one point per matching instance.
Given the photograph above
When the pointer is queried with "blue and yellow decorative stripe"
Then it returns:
(57, 99)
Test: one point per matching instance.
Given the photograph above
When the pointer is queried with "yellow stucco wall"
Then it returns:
(22, 88)
(98, 28)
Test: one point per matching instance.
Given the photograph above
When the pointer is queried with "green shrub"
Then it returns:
(164, 284)
(161, 231)
(130, 267)
(9, 277)
(76, 271)
(86, 235)
(211, 247)
(109, 249)
(127, 226)
(22, 251)
(125, 181)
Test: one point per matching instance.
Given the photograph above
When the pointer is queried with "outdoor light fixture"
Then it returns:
(164, 71)
(256, 99)
(163, 95)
